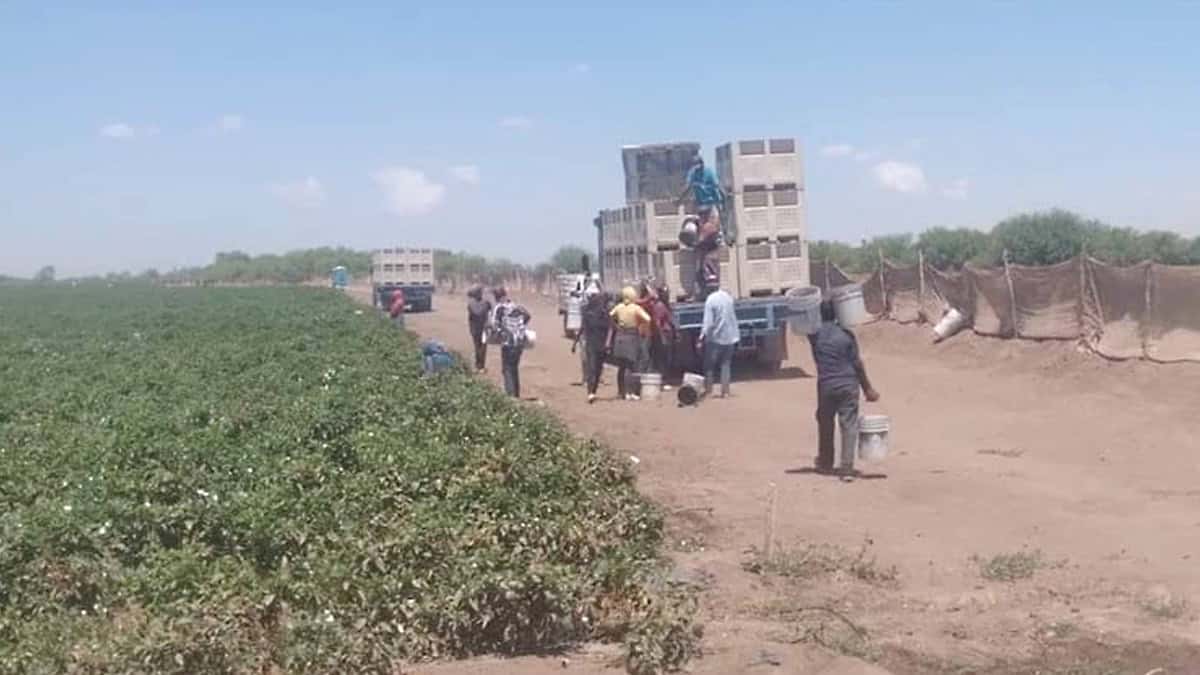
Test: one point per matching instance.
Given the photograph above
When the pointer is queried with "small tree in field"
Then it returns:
(44, 275)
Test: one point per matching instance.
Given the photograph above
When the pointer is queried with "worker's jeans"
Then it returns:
(594, 360)
(478, 340)
(398, 320)
(510, 361)
(842, 403)
(718, 358)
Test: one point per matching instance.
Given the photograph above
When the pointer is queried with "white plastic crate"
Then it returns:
(650, 225)
(773, 267)
(759, 214)
(757, 263)
(681, 271)
(791, 264)
(759, 162)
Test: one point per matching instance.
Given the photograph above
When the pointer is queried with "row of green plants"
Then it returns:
(235, 480)
(1042, 238)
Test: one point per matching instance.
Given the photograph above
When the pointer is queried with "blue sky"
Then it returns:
(143, 134)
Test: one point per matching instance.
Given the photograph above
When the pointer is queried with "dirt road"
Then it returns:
(1040, 505)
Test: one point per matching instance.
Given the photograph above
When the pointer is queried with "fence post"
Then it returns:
(1012, 296)
(921, 286)
(828, 281)
(887, 306)
(1145, 327)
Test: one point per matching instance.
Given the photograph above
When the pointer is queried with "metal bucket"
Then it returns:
(651, 384)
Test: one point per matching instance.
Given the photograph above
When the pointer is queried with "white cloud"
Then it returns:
(122, 132)
(118, 130)
(466, 173)
(516, 122)
(307, 193)
(581, 68)
(408, 192)
(957, 189)
(231, 123)
(838, 150)
(901, 177)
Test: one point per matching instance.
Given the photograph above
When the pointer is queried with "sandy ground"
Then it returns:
(1090, 467)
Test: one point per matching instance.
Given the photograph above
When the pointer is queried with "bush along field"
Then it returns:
(256, 480)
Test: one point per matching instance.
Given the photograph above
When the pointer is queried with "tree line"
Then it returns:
(1039, 238)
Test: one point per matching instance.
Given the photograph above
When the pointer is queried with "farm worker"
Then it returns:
(594, 335)
(479, 310)
(840, 376)
(662, 351)
(510, 320)
(396, 309)
(435, 358)
(626, 341)
(710, 199)
(719, 337)
(660, 333)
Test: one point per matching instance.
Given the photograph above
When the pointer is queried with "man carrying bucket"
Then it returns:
(840, 376)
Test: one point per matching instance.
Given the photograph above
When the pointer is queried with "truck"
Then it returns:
(408, 269)
(763, 222)
(762, 322)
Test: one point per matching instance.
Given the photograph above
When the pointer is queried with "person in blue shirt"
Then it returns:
(719, 337)
(710, 199)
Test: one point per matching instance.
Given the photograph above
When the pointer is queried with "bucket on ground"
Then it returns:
(804, 310)
(694, 379)
(952, 322)
(873, 437)
(651, 384)
(849, 306)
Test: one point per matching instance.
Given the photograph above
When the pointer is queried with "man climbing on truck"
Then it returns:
(710, 199)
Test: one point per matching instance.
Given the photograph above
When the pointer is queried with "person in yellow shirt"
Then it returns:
(628, 320)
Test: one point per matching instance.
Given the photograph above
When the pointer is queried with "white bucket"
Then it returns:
(651, 386)
(530, 338)
(951, 323)
(873, 437)
(695, 380)
(804, 310)
(849, 306)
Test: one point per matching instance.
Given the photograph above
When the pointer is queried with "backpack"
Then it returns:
(511, 325)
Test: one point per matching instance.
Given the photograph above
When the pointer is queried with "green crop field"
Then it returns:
(241, 480)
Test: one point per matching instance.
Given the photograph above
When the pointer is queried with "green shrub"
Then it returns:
(225, 480)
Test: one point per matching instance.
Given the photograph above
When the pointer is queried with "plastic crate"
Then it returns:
(758, 267)
(759, 162)
(760, 214)
(773, 267)
(681, 271)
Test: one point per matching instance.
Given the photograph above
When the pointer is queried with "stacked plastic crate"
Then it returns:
(640, 240)
(764, 181)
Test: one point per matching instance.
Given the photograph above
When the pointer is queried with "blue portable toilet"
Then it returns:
(340, 277)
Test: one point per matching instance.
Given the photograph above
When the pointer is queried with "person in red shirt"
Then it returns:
(396, 310)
